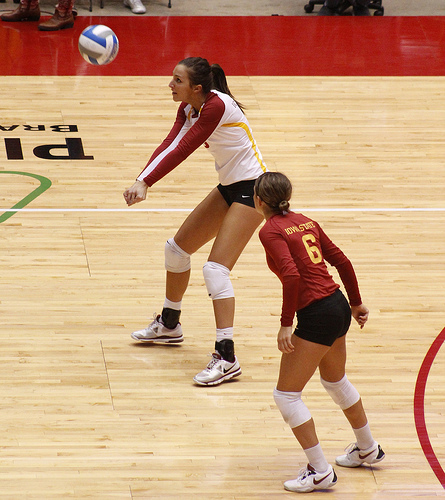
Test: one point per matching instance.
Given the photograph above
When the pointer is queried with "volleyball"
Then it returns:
(98, 44)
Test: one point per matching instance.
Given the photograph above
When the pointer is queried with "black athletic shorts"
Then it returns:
(325, 320)
(238, 192)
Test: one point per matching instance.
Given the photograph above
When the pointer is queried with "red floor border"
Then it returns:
(253, 45)
(419, 408)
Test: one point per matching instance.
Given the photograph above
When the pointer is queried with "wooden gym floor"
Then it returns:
(86, 412)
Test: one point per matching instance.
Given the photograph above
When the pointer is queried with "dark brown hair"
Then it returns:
(275, 189)
(209, 77)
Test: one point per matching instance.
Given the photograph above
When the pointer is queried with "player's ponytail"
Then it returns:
(220, 83)
(275, 189)
(209, 77)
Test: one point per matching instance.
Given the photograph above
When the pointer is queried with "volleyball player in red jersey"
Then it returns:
(208, 114)
(296, 249)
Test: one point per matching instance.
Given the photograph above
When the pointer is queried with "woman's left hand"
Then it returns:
(284, 339)
(360, 314)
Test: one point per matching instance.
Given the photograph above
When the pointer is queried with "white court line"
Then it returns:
(128, 210)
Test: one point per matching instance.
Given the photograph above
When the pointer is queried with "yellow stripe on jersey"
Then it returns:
(192, 109)
(252, 142)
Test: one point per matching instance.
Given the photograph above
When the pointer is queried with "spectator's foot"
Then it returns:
(361, 10)
(136, 6)
(58, 22)
(327, 11)
(22, 13)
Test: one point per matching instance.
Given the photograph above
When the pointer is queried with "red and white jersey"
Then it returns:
(222, 127)
(296, 250)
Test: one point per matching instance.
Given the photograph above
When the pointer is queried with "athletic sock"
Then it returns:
(364, 437)
(224, 333)
(172, 305)
(316, 458)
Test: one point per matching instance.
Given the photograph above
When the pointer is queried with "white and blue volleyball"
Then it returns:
(98, 44)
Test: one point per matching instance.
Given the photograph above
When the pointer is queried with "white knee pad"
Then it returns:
(217, 280)
(292, 408)
(176, 260)
(342, 392)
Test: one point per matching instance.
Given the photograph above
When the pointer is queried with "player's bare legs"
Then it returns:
(237, 228)
(198, 228)
(332, 372)
(234, 233)
(233, 227)
(296, 369)
(332, 369)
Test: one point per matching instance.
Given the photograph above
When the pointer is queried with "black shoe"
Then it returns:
(361, 10)
(327, 11)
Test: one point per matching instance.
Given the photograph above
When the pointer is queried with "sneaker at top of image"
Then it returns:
(309, 480)
(136, 6)
(327, 11)
(355, 457)
(157, 333)
(361, 10)
(217, 371)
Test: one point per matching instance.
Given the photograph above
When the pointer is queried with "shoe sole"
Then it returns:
(228, 376)
(311, 488)
(67, 26)
(160, 340)
(22, 20)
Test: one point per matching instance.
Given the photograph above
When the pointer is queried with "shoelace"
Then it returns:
(304, 473)
(215, 359)
(351, 447)
(155, 318)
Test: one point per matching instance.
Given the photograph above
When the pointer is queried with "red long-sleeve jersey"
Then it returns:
(296, 249)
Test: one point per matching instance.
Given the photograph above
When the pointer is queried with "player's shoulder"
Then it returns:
(215, 107)
(299, 218)
(273, 225)
(218, 98)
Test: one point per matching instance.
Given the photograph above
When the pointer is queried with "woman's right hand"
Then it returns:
(284, 340)
(135, 194)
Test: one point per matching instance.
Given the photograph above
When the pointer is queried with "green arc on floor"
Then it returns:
(45, 184)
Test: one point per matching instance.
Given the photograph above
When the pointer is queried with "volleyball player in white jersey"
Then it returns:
(208, 114)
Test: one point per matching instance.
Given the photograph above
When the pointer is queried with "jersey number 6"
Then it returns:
(313, 251)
